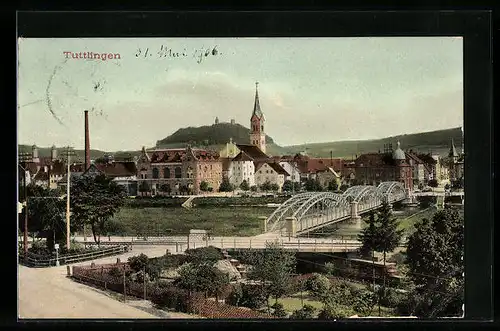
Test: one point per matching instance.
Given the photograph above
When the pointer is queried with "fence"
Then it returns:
(102, 276)
(37, 261)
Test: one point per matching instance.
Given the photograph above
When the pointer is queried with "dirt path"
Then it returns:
(48, 293)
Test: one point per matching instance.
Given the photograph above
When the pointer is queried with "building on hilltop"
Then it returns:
(257, 121)
(178, 171)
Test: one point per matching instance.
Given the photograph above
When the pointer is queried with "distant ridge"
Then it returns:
(437, 141)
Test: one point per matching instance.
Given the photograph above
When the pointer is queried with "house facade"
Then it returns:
(270, 172)
(177, 171)
(242, 168)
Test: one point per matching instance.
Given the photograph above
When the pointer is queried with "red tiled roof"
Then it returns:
(319, 164)
(178, 155)
(118, 169)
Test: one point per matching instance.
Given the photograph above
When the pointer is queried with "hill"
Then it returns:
(436, 141)
(215, 134)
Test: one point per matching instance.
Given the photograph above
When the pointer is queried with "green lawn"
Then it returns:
(294, 302)
(243, 221)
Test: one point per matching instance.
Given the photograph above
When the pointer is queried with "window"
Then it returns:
(156, 173)
(262, 127)
(178, 172)
(166, 173)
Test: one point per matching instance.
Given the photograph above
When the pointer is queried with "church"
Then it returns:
(252, 164)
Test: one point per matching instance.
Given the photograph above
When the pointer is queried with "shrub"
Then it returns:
(363, 302)
(317, 285)
(253, 296)
(335, 312)
(306, 312)
(172, 298)
(390, 298)
(331, 269)
(278, 310)
(139, 262)
(208, 254)
(115, 272)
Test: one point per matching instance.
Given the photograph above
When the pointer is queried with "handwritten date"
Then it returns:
(199, 54)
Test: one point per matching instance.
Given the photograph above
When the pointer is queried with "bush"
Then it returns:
(39, 248)
(252, 296)
(364, 302)
(331, 269)
(335, 312)
(171, 298)
(390, 298)
(115, 272)
(306, 312)
(235, 297)
(138, 263)
(208, 254)
(278, 310)
(317, 285)
(433, 183)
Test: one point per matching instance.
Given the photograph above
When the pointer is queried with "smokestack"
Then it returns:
(87, 141)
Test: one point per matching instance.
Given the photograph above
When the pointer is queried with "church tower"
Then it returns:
(257, 133)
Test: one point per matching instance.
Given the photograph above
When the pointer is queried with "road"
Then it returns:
(48, 293)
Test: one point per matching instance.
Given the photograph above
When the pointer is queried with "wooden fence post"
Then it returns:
(124, 287)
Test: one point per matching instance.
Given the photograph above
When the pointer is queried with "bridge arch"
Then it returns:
(277, 216)
(331, 199)
(392, 191)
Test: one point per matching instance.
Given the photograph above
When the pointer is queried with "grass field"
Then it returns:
(243, 221)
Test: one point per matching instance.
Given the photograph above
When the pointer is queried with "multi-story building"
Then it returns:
(325, 177)
(178, 171)
(270, 172)
(374, 168)
(242, 169)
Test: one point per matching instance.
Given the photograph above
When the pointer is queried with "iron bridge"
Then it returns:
(314, 210)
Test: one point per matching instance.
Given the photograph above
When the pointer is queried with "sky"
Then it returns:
(311, 89)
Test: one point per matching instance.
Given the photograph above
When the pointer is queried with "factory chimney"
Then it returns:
(87, 141)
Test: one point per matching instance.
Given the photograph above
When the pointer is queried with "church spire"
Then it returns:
(453, 150)
(256, 107)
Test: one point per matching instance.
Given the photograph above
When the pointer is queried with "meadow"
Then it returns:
(220, 221)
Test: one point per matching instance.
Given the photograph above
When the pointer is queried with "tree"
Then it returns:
(333, 185)
(274, 187)
(266, 186)
(313, 185)
(138, 263)
(202, 278)
(272, 267)
(94, 201)
(46, 213)
(253, 188)
(318, 286)
(144, 187)
(434, 256)
(287, 186)
(334, 312)
(226, 186)
(331, 269)
(244, 185)
(344, 187)
(381, 235)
